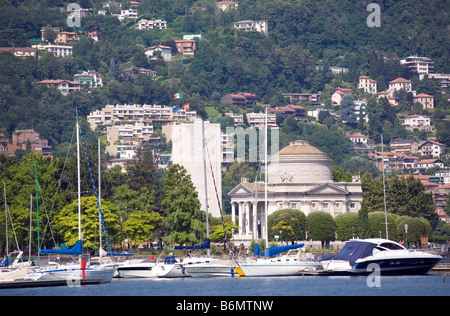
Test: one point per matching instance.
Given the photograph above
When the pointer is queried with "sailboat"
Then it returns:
(73, 270)
(15, 270)
(269, 265)
(180, 267)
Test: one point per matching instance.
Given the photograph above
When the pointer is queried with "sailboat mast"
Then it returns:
(6, 220)
(37, 215)
(206, 182)
(99, 200)
(79, 182)
(265, 186)
(384, 187)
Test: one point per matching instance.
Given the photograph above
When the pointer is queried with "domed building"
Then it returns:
(299, 177)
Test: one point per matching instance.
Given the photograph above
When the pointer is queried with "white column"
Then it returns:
(255, 220)
(233, 212)
(247, 217)
(241, 217)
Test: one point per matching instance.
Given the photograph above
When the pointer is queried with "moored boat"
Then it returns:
(362, 256)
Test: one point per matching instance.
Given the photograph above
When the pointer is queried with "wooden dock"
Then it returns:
(28, 284)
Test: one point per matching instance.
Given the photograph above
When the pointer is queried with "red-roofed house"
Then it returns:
(338, 94)
(400, 83)
(358, 139)
(426, 100)
(431, 148)
(425, 164)
(65, 86)
(368, 85)
(421, 122)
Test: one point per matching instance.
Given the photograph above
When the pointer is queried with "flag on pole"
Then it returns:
(175, 109)
(186, 106)
(178, 95)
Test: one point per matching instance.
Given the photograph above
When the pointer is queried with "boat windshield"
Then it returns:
(390, 246)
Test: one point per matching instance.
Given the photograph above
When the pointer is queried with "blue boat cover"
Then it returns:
(353, 250)
(119, 254)
(75, 250)
(272, 252)
(203, 245)
(5, 262)
(257, 251)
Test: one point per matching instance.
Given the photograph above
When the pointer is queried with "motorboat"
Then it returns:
(362, 256)
(293, 263)
(214, 268)
(176, 267)
(143, 269)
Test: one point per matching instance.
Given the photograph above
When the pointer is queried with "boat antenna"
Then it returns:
(384, 187)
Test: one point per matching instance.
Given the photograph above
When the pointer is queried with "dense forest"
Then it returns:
(305, 38)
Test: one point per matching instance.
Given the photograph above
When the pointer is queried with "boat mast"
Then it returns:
(384, 187)
(37, 215)
(6, 220)
(206, 183)
(99, 200)
(79, 182)
(265, 188)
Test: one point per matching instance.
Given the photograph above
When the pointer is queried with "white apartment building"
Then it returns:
(421, 65)
(421, 122)
(152, 25)
(258, 120)
(115, 114)
(56, 50)
(128, 14)
(252, 26)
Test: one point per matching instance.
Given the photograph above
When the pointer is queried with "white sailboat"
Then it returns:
(270, 265)
(73, 270)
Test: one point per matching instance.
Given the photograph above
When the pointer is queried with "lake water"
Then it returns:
(429, 285)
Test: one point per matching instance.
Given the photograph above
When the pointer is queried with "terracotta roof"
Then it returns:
(400, 80)
(423, 95)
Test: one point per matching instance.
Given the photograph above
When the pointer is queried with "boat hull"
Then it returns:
(170, 271)
(210, 270)
(137, 271)
(266, 268)
(69, 274)
(397, 266)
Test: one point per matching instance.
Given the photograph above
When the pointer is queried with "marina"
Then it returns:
(427, 285)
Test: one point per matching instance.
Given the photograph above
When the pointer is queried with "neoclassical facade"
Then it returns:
(299, 177)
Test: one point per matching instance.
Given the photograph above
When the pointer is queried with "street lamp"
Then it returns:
(406, 235)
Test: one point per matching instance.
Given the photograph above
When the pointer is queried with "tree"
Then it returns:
(290, 224)
(347, 110)
(181, 207)
(140, 226)
(321, 227)
(66, 222)
(347, 226)
(378, 227)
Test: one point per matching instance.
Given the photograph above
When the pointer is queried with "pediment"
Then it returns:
(327, 188)
(239, 190)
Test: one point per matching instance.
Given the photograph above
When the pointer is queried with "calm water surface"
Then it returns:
(429, 285)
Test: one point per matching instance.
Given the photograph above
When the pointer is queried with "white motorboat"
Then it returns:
(361, 256)
(215, 268)
(143, 269)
